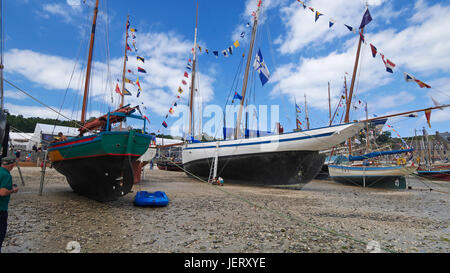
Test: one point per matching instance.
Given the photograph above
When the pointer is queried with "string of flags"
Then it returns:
(180, 91)
(367, 18)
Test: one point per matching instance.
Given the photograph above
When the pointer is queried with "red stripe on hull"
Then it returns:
(90, 156)
(71, 143)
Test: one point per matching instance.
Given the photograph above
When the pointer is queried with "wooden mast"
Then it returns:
(125, 61)
(306, 114)
(88, 69)
(249, 59)
(194, 61)
(352, 85)
(329, 102)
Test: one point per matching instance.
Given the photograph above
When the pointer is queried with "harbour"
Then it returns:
(322, 217)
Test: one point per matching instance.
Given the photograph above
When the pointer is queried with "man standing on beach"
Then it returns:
(6, 189)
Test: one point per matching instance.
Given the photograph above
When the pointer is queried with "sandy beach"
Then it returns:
(201, 218)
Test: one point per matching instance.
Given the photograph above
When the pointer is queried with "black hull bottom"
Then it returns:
(384, 182)
(323, 173)
(264, 169)
(100, 178)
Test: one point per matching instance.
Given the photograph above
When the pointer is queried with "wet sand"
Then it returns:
(201, 218)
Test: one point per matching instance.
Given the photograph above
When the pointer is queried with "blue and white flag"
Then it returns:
(261, 68)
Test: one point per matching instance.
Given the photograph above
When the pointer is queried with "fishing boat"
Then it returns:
(275, 159)
(99, 165)
(169, 158)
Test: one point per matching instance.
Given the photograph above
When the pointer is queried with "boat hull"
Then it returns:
(435, 174)
(100, 166)
(286, 159)
(265, 169)
(369, 176)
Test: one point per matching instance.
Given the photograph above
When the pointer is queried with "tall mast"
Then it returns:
(306, 114)
(367, 130)
(125, 61)
(88, 69)
(329, 102)
(352, 85)
(249, 59)
(194, 62)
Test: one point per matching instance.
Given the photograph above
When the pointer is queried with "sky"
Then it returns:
(46, 48)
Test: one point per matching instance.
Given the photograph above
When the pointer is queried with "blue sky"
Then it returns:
(45, 41)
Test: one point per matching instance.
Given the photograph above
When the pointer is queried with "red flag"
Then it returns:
(186, 74)
(422, 84)
(184, 82)
(428, 116)
(118, 89)
(374, 50)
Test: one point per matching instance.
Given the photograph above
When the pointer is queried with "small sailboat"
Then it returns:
(99, 165)
(366, 173)
(276, 159)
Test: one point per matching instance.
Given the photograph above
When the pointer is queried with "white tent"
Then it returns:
(20, 140)
(45, 133)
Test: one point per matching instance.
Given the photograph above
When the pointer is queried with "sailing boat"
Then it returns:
(371, 174)
(282, 159)
(434, 171)
(100, 165)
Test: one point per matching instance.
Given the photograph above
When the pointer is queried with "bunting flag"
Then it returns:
(140, 59)
(350, 28)
(312, 9)
(331, 23)
(422, 84)
(138, 84)
(128, 47)
(428, 116)
(361, 36)
(186, 75)
(180, 90)
(142, 70)
(138, 94)
(224, 52)
(237, 96)
(389, 65)
(128, 81)
(247, 25)
(242, 34)
(374, 50)
(318, 14)
(183, 82)
(408, 77)
(297, 108)
(130, 71)
(189, 66)
(230, 49)
(366, 19)
(216, 53)
(134, 46)
(164, 124)
(200, 48)
(299, 123)
(261, 68)
(236, 44)
(126, 92)
(175, 104)
(171, 111)
(128, 25)
(118, 89)
(133, 29)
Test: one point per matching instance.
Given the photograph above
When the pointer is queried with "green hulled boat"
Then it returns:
(99, 162)
(100, 166)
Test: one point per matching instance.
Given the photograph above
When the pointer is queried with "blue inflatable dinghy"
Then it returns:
(155, 199)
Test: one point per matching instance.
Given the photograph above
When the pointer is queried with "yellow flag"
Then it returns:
(236, 44)
(180, 90)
